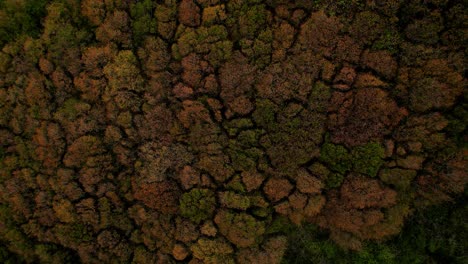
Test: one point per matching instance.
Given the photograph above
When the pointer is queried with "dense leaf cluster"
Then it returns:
(247, 131)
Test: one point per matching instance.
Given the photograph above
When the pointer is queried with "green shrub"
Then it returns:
(143, 21)
(234, 200)
(367, 159)
(21, 17)
(334, 180)
(336, 156)
(198, 204)
(264, 114)
(319, 97)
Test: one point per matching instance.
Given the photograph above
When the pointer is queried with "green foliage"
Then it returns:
(105, 212)
(69, 177)
(25, 154)
(211, 34)
(220, 52)
(5, 62)
(367, 159)
(213, 14)
(235, 125)
(248, 22)
(124, 72)
(143, 21)
(251, 20)
(349, 5)
(434, 235)
(307, 244)
(248, 138)
(375, 254)
(259, 50)
(367, 27)
(212, 41)
(71, 108)
(63, 30)
(20, 17)
(280, 225)
(319, 97)
(14, 245)
(458, 122)
(319, 170)
(51, 253)
(264, 114)
(198, 204)
(74, 233)
(400, 178)
(236, 184)
(334, 180)
(425, 30)
(195, 38)
(243, 151)
(292, 140)
(336, 156)
(389, 41)
(242, 229)
(213, 251)
(234, 200)
(331, 179)
(261, 212)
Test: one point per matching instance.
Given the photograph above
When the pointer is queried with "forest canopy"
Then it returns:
(233, 131)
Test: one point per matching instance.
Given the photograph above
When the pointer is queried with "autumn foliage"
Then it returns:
(185, 131)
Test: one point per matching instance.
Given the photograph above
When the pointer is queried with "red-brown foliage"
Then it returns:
(381, 62)
(363, 115)
(446, 178)
(319, 33)
(160, 196)
(115, 28)
(189, 13)
(50, 145)
(94, 10)
(356, 211)
(260, 111)
(359, 192)
(277, 188)
(236, 79)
